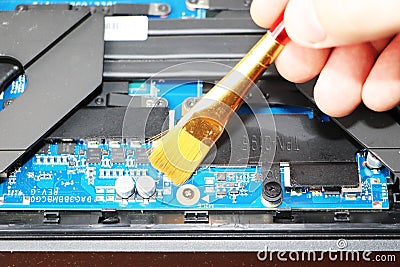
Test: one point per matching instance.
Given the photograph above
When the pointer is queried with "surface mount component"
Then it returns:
(64, 67)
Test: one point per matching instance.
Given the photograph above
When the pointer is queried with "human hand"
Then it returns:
(353, 44)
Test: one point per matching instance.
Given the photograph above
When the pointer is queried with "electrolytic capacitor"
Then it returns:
(145, 186)
(124, 186)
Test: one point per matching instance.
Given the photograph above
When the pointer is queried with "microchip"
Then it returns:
(117, 155)
(221, 193)
(94, 155)
(330, 175)
(141, 156)
(66, 148)
(45, 149)
(234, 192)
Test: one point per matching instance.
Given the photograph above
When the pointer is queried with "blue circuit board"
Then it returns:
(84, 175)
(85, 178)
(178, 7)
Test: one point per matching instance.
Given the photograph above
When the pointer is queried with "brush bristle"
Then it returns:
(178, 154)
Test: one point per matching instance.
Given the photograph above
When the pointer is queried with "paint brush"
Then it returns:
(179, 153)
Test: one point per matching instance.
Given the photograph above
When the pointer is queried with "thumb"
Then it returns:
(328, 23)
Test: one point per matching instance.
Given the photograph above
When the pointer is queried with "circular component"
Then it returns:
(373, 162)
(163, 8)
(21, 8)
(272, 192)
(8, 102)
(188, 195)
(145, 186)
(124, 186)
(99, 100)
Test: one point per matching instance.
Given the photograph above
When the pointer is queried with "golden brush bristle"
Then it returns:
(178, 154)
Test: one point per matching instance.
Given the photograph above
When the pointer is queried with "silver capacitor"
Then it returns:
(124, 186)
(145, 186)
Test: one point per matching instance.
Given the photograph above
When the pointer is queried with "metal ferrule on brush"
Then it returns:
(208, 118)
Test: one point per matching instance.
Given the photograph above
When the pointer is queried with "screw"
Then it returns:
(163, 8)
(190, 103)
(272, 191)
(99, 100)
(22, 7)
(188, 193)
(8, 102)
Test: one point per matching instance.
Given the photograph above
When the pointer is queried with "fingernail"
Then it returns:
(302, 22)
